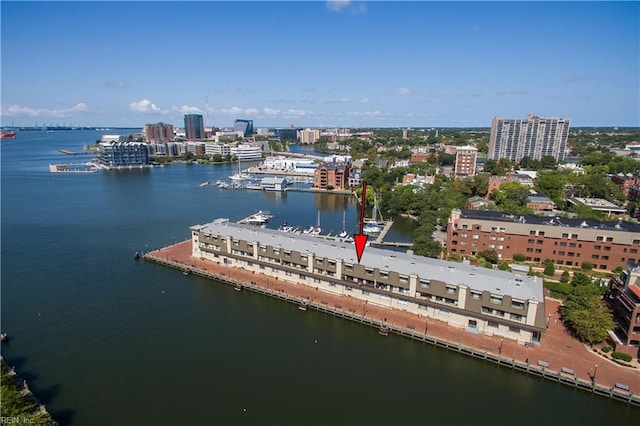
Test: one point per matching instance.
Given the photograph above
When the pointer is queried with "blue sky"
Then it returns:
(316, 64)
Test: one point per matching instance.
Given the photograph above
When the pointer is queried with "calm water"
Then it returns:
(105, 340)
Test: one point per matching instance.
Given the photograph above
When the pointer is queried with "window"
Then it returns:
(476, 295)
(493, 324)
(450, 289)
(516, 317)
(403, 278)
(514, 329)
(486, 310)
(496, 299)
(424, 284)
(518, 304)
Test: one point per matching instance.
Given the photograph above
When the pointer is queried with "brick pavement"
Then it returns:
(558, 347)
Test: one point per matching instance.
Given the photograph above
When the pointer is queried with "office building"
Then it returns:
(194, 126)
(533, 137)
(290, 133)
(466, 157)
(567, 242)
(480, 300)
(244, 126)
(247, 152)
(158, 132)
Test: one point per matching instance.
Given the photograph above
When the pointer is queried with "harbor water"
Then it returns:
(103, 339)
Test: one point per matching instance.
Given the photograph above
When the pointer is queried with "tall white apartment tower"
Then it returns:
(533, 137)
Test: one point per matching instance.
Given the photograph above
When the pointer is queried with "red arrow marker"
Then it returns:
(360, 239)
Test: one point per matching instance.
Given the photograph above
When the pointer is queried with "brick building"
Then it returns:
(332, 175)
(624, 296)
(568, 242)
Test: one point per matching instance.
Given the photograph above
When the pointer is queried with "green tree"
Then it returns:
(564, 278)
(587, 314)
(490, 256)
(519, 257)
(549, 267)
(587, 266)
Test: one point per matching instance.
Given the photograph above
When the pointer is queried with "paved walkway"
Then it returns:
(558, 348)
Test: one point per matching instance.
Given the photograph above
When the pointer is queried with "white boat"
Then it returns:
(344, 233)
(259, 218)
(373, 226)
(204, 184)
(238, 177)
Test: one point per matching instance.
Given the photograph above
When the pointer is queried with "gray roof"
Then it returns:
(270, 180)
(477, 278)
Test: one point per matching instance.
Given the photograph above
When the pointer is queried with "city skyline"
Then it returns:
(320, 64)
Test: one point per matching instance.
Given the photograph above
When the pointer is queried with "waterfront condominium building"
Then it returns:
(193, 126)
(466, 157)
(332, 175)
(568, 242)
(533, 137)
(158, 132)
(244, 126)
(123, 154)
(481, 300)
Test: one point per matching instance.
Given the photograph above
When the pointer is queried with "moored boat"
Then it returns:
(8, 135)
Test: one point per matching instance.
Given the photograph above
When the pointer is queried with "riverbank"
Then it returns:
(18, 404)
(560, 357)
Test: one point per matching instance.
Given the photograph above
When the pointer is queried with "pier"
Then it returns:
(79, 167)
(550, 362)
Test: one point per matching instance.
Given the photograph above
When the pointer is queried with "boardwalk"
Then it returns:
(560, 357)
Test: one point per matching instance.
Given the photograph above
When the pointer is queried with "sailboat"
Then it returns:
(373, 226)
(343, 234)
(317, 229)
(239, 176)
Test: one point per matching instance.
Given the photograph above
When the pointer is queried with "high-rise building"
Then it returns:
(533, 137)
(194, 126)
(244, 126)
(308, 136)
(158, 132)
(466, 157)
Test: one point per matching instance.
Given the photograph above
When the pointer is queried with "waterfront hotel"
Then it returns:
(481, 300)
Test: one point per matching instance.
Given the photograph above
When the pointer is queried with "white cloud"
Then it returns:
(144, 106)
(232, 111)
(346, 6)
(186, 109)
(404, 91)
(439, 94)
(20, 110)
(363, 101)
(271, 111)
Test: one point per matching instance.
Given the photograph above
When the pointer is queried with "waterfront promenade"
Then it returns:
(560, 356)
